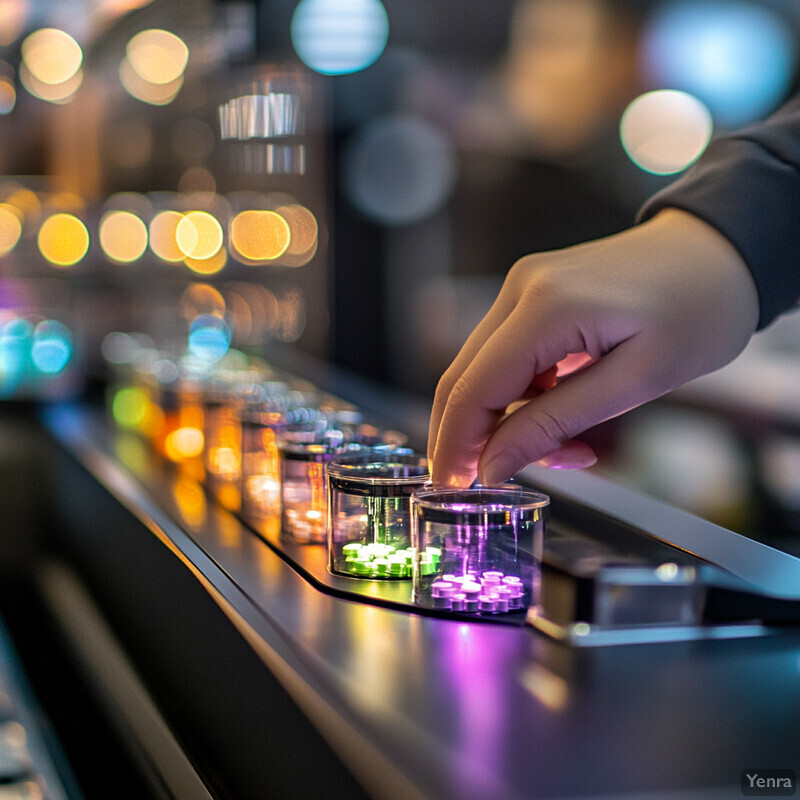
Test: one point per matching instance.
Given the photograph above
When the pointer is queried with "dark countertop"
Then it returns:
(422, 707)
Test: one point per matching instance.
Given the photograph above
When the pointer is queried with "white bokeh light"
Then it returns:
(664, 131)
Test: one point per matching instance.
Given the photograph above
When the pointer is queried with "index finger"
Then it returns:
(476, 340)
(523, 346)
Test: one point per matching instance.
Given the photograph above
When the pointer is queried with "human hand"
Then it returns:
(651, 308)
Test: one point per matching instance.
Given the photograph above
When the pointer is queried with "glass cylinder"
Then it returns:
(304, 454)
(222, 432)
(369, 511)
(267, 409)
(261, 465)
(478, 551)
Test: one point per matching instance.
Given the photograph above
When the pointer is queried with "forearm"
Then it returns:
(747, 186)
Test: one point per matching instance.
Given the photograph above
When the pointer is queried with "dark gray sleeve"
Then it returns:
(747, 185)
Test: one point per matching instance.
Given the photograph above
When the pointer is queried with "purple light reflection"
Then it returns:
(476, 662)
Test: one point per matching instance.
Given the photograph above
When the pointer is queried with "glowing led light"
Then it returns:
(665, 131)
(163, 236)
(51, 55)
(157, 56)
(260, 235)
(63, 240)
(183, 443)
(336, 37)
(737, 57)
(52, 93)
(209, 337)
(8, 96)
(199, 235)
(156, 94)
(123, 236)
(10, 228)
(129, 407)
(52, 347)
(399, 170)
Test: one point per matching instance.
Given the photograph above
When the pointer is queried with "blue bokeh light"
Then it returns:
(737, 57)
(337, 37)
(52, 347)
(15, 348)
(209, 337)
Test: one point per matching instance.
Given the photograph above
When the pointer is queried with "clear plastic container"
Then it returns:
(304, 454)
(477, 551)
(369, 511)
(263, 414)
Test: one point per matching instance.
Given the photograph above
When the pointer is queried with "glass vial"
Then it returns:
(477, 551)
(369, 511)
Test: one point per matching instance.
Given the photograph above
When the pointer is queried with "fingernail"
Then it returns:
(498, 470)
(571, 455)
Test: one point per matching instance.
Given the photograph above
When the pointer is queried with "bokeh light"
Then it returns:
(399, 170)
(50, 92)
(304, 234)
(8, 95)
(122, 236)
(184, 443)
(208, 266)
(63, 240)
(157, 56)
(52, 347)
(259, 235)
(199, 235)
(201, 298)
(663, 132)
(209, 337)
(10, 228)
(737, 57)
(129, 406)
(13, 16)
(336, 37)
(15, 347)
(51, 56)
(163, 237)
(155, 94)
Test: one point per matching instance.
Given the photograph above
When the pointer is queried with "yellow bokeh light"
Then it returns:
(163, 241)
(208, 266)
(63, 240)
(123, 236)
(157, 56)
(260, 235)
(305, 234)
(199, 235)
(184, 443)
(201, 298)
(191, 500)
(52, 56)
(10, 228)
(156, 94)
(51, 92)
(26, 201)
